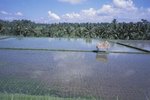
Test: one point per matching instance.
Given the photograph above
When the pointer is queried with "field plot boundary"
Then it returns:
(73, 50)
(4, 37)
(133, 47)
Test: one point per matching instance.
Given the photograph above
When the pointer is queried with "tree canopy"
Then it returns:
(114, 30)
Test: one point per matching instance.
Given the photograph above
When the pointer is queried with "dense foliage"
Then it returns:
(114, 30)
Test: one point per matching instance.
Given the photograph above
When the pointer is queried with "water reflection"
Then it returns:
(59, 43)
(109, 76)
(144, 44)
(102, 57)
(71, 66)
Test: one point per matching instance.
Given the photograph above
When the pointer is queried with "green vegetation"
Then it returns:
(24, 86)
(35, 97)
(114, 30)
(25, 89)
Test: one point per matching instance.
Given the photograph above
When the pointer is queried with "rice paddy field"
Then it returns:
(72, 69)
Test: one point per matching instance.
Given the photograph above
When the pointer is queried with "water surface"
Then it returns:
(59, 43)
(144, 44)
(66, 74)
(112, 76)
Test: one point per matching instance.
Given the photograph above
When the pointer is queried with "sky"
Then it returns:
(54, 11)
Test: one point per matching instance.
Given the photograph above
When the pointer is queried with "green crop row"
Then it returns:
(34, 87)
(35, 97)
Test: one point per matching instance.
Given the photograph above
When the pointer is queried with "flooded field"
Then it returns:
(138, 43)
(87, 75)
(59, 43)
